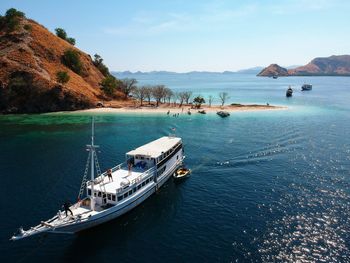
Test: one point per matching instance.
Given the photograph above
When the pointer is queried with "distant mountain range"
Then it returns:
(325, 66)
(253, 70)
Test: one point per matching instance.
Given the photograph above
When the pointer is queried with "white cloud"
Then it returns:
(149, 24)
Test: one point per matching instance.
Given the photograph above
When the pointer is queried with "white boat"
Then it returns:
(145, 170)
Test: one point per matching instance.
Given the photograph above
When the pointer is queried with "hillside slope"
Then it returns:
(30, 58)
(328, 66)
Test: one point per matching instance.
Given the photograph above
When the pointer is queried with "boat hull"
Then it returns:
(115, 211)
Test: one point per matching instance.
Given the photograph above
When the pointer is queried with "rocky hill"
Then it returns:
(30, 59)
(329, 66)
(273, 70)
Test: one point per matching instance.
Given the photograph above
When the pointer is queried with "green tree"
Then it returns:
(109, 85)
(98, 62)
(11, 20)
(140, 93)
(71, 40)
(61, 33)
(127, 86)
(71, 59)
(198, 101)
(62, 77)
(158, 92)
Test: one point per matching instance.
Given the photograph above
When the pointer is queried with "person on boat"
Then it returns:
(109, 174)
(129, 167)
(66, 206)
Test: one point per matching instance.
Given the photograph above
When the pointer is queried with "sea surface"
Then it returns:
(266, 186)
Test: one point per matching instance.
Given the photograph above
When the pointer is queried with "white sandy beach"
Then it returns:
(184, 109)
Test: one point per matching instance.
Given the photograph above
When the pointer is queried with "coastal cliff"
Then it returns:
(328, 66)
(34, 75)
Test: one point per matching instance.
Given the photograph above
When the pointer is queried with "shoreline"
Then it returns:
(184, 109)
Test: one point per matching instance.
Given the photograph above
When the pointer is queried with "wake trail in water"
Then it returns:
(281, 145)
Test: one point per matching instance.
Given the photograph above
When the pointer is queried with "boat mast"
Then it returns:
(92, 149)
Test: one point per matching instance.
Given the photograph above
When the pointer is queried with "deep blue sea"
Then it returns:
(266, 186)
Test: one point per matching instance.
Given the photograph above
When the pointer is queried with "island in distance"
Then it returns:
(328, 66)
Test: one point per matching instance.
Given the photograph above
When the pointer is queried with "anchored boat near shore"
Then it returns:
(306, 87)
(113, 193)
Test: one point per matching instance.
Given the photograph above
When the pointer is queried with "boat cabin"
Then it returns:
(141, 170)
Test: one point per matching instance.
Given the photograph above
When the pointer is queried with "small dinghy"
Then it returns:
(223, 114)
(182, 173)
(202, 112)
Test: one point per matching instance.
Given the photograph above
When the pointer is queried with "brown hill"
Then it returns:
(30, 58)
(273, 70)
(329, 66)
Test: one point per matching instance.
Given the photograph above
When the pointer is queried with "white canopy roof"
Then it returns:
(155, 148)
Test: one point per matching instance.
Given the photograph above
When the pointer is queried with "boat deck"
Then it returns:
(118, 176)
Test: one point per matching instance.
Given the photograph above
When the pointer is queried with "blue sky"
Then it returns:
(191, 35)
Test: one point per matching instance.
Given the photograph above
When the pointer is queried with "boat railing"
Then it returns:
(139, 178)
(102, 175)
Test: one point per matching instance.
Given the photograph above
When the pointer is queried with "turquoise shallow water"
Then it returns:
(266, 186)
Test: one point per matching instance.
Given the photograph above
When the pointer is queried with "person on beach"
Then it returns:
(109, 174)
(66, 208)
(168, 112)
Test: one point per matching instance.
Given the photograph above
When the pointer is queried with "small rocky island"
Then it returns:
(328, 66)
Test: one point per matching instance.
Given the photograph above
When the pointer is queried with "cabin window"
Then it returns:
(109, 197)
(177, 157)
(134, 189)
(130, 192)
(126, 195)
(120, 198)
(113, 197)
(143, 183)
(89, 191)
(138, 187)
(95, 194)
(99, 194)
